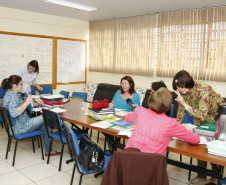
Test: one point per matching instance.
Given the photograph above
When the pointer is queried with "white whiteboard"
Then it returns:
(17, 51)
(71, 61)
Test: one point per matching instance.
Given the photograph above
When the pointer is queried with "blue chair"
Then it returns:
(80, 95)
(188, 118)
(47, 89)
(171, 110)
(64, 93)
(74, 150)
(52, 120)
(2, 92)
(33, 90)
(9, 124)
(30, 106)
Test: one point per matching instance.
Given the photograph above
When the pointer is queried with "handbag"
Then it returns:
(91, 155)
(98, 104)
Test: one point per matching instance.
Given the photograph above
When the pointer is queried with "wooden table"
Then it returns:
(75, 114)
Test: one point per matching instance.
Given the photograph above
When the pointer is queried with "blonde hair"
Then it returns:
(160, 101)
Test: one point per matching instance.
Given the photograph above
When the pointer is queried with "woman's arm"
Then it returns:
(180, 131)
(22, 108)
(38, 87)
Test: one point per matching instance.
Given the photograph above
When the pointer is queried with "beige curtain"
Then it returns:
(193, 40)
(135, 45)
(102, 45)
(162, 44)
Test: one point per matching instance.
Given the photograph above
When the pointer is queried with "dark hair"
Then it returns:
(34, 63)
(183, 79)
(160, 101)
(131, 83)
(7, 83)
(156, 85)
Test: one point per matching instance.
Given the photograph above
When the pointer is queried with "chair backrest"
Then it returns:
(72, 141)
(135, 167)
(188, 118)
(52, 120)
(105, 91)
(33, 90)
(2, 92)
(7, 120)
(80, 95)
(64, 93)
(30, 106)
(47, 89)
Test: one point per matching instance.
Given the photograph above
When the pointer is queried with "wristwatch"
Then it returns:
(186, 107)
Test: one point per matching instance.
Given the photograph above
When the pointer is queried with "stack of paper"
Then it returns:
(100, 114)
(207, 129)
(52, 99)
(122, 125)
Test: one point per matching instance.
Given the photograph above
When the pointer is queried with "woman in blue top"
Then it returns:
(17, 106)
(127, 91)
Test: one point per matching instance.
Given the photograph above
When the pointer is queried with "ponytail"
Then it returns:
(7, 83)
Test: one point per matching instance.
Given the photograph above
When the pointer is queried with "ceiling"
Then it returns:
(109, 9)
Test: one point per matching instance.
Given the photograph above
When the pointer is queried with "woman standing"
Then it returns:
(200, 100)
(28, 75)
(127, 91)
(16, 106)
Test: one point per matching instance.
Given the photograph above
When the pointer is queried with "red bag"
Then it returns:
(99, 104)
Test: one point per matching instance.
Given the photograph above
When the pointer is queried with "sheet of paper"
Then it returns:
(37, 109)
(121, 112)
(126, 132)
(35, 96)
(102, 124)
(55, 96)
(204, 140)
(58, 110)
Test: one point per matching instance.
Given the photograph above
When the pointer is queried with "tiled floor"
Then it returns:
(30, 169)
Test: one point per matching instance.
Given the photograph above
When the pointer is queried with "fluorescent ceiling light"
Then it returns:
(70, 4)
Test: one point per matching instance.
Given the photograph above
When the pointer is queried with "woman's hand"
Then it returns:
(180, 99)
(39, 88)
(39, 101)
(29, 100)
(136, 107)
(111, 105)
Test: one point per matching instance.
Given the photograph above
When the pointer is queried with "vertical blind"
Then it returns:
(162, 44)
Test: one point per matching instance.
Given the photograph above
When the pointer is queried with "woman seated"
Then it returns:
(17, 106)
(126, 92)
(153, 129)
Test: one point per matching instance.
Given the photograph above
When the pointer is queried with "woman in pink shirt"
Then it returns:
(153, 129)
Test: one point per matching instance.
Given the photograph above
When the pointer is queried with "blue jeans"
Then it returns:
(38, 124)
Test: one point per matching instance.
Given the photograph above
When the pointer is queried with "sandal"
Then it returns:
(52, 153)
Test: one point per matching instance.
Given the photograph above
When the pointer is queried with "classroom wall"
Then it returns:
(13, 20)
(19, 21)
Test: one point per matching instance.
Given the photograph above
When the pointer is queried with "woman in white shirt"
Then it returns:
(28, 75)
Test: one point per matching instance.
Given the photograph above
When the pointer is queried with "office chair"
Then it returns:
(33, 90)
(64, 93)
(52, 120)
(132, 167)
(9, 124)
(74, 150)
(2, 94)
(80, 95)
(47, 89)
